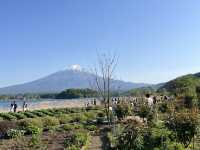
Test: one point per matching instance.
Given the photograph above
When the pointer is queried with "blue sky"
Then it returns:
(156, 40)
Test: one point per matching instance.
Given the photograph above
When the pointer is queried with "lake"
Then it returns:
(44, 104)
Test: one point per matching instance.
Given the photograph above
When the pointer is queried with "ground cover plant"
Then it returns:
(37, 129)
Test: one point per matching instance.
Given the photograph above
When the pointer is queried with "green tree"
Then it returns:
(122, 110)
(184, 124)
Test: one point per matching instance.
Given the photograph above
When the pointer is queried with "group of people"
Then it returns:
(92, 102)
(14, 106)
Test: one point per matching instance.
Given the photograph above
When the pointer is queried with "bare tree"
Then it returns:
(104, 74)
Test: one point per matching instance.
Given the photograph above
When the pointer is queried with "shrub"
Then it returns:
(64, 119)
(46, 112)
(101, 114)
(13, 133)
(185, 125)
(50, 121)
(73, 147)
(38, 113)
(163, 107)
(78, 139)
(90, 115)
(36, 122)
(68, 127)
(78, 117)
(7, 116)
(75, 110)
(189, 101)
(144, 111)
(90, 127)
(78, 126)
(122, 110)
(18, 115)
(131, 138)
(28, 114)
(33, 130)
(5, 126)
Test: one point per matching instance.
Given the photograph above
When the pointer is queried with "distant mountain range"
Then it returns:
(62, 80)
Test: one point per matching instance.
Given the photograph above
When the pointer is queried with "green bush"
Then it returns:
(18, 115)
(13, 133)
(90, 115)
(46, 112)
(64, 118)
(38, 113)
(78, 126)
(33, 130)
(91, 127)
(50, 121)
(68, 127)
(101, 114)
(29, 114)
(79, 139)
(144, 111)
(175, 146)
(73, 147)
(163, 107)
(7, 116)
(75, 110)
(36, 122)
(78, 117)
(122, 110)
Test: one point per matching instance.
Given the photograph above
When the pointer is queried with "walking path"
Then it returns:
(96, 143)
(100, 141)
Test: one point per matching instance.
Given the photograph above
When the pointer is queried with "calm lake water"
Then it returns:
(44, 104)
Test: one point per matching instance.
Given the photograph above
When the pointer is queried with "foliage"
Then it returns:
(122, 110)
(68, 127)
(18, 115)
(189, 101)
(33, 130)
(38, 113)
(131, 138)
(184, 124)
(64, 118)
(77, 126)
(5, 126)
(78, 117)
(183, 86)
(144, 111)
(7, 116)
(78, 140)
(76, 93)
(14, 133)
(90, 115)
(47, 112)
(28, 114)
(36, 122)
(140, 91)
(50, 121)
(90, 127)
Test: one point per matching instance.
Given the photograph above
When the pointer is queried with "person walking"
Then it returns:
(12, 107)
(25, 105)
(15, 107)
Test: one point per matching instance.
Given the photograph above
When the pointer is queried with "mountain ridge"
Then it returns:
(61, 80)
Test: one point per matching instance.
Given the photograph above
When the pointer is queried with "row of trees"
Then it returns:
(76, 93)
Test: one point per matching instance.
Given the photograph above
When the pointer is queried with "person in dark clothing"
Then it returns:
(95, 103)
(15, 107)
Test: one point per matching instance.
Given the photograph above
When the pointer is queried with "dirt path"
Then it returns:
(100, 142)
(96, 143)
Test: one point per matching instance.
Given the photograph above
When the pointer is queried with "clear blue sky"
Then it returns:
(156, 40)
